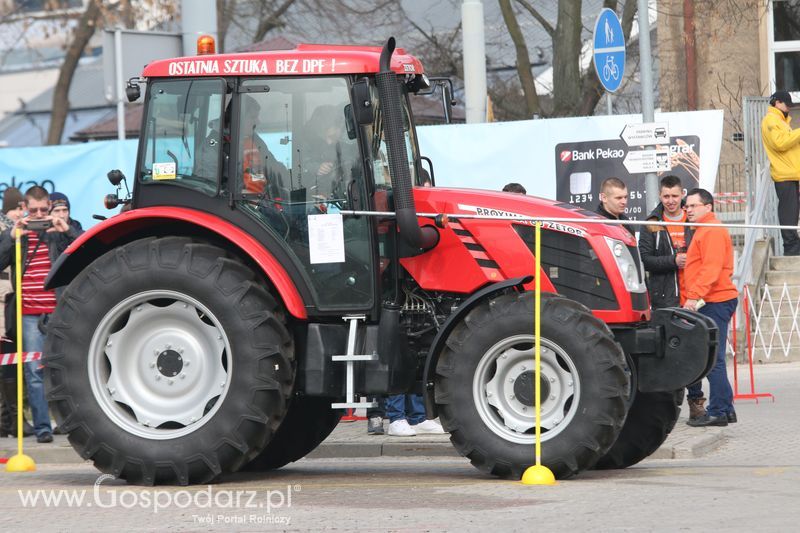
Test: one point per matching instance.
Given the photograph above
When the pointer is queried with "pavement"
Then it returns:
(350, 440)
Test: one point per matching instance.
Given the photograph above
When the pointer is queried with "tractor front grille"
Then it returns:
(572, 267)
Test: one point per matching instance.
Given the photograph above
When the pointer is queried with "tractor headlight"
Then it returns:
(627, 265)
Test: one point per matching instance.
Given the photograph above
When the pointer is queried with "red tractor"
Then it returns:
(273, 268)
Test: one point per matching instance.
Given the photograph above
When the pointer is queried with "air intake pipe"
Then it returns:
(391, 98)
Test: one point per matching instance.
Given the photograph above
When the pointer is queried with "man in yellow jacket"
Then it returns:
(782, 144)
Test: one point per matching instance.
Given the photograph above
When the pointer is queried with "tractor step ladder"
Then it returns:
(350, 358)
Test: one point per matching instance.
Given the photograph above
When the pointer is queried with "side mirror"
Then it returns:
(362, 102)
(133, 91)
(349, 121)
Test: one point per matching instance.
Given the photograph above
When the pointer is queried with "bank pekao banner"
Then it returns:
(567, 159)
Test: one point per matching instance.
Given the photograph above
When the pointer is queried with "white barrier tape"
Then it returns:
(724, 202)
(587, 220)
(11, 358)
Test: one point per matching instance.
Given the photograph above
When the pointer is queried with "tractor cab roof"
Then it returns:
(305, 59)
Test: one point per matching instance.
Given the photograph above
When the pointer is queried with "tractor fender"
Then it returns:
(429, 372)
(105, 235)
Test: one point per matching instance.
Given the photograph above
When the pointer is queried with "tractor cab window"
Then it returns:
(380, 155)
(182, 139)
(298, 155)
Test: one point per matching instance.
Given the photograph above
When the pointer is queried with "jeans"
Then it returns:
(33, 341)
(720, 393)
(408, 406)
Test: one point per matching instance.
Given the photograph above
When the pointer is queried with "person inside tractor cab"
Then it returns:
(261, 171)
(324, 154)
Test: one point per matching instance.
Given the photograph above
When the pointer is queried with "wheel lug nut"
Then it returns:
(152, 365)
(510, 396)
(187, 363)
(112, 391)
(108, 343)
(552, 397)
(552, 380)
(183, 376)
(488, 394)
(158, 378)
(138, 308)
(511, 380)
(168, 346)
(524, 368)
(171, 382)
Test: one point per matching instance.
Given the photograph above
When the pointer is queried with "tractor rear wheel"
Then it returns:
(309, 422)
(167, 363)
(485, 386)
(650, 421)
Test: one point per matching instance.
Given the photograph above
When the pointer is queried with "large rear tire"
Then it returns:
(649, 422)
(309, 422)
(484, 386)
(167, 363)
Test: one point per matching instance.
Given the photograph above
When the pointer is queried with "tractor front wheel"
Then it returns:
(485, 386)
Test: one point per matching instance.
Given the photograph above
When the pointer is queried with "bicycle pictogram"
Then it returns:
(610, 69)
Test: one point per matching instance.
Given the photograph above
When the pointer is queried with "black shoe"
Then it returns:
(45, 438)
(375, 426)
(708, 420)
(58, 431)
(732, 417)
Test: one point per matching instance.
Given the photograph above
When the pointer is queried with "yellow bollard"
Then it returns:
(19, 462)
(538, 474)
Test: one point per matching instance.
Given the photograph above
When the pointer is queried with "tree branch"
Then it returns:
(538, 16)
(523, 59)
(83, 32)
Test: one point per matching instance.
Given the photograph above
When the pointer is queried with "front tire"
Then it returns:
(484, 386)
(189, 363)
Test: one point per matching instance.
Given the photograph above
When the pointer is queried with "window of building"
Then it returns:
(784, 45)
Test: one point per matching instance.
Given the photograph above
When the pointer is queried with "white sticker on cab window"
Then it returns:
(164, 171)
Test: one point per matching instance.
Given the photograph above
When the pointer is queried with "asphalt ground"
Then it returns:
(739, 478)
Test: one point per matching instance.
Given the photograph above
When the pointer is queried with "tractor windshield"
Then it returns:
(182, 134)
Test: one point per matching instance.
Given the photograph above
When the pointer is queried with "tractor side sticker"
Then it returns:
(164, 171)
(555, 226)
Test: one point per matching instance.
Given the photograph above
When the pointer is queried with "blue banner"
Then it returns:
(77, 170)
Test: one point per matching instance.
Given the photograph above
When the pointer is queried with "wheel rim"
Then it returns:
(496, 388)
(159, 364)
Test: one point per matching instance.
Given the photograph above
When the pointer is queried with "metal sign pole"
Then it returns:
(646, 76)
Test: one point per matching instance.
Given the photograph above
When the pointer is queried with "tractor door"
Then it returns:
(296, 166)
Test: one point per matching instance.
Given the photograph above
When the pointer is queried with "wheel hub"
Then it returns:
(169, 363)
(524, 390)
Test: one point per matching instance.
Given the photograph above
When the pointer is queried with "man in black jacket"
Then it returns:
(663, 251)
(614, 200)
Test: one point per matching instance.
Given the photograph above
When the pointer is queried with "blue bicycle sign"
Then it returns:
(609, 50)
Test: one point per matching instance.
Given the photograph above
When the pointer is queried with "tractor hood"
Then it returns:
(481, 202)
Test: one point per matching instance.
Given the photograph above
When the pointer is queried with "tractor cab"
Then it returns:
(278, 141)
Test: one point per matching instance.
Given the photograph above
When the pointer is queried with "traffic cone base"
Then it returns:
(538, 475)
(20, 463)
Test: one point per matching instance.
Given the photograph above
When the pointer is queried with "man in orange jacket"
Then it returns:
(708, 271)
